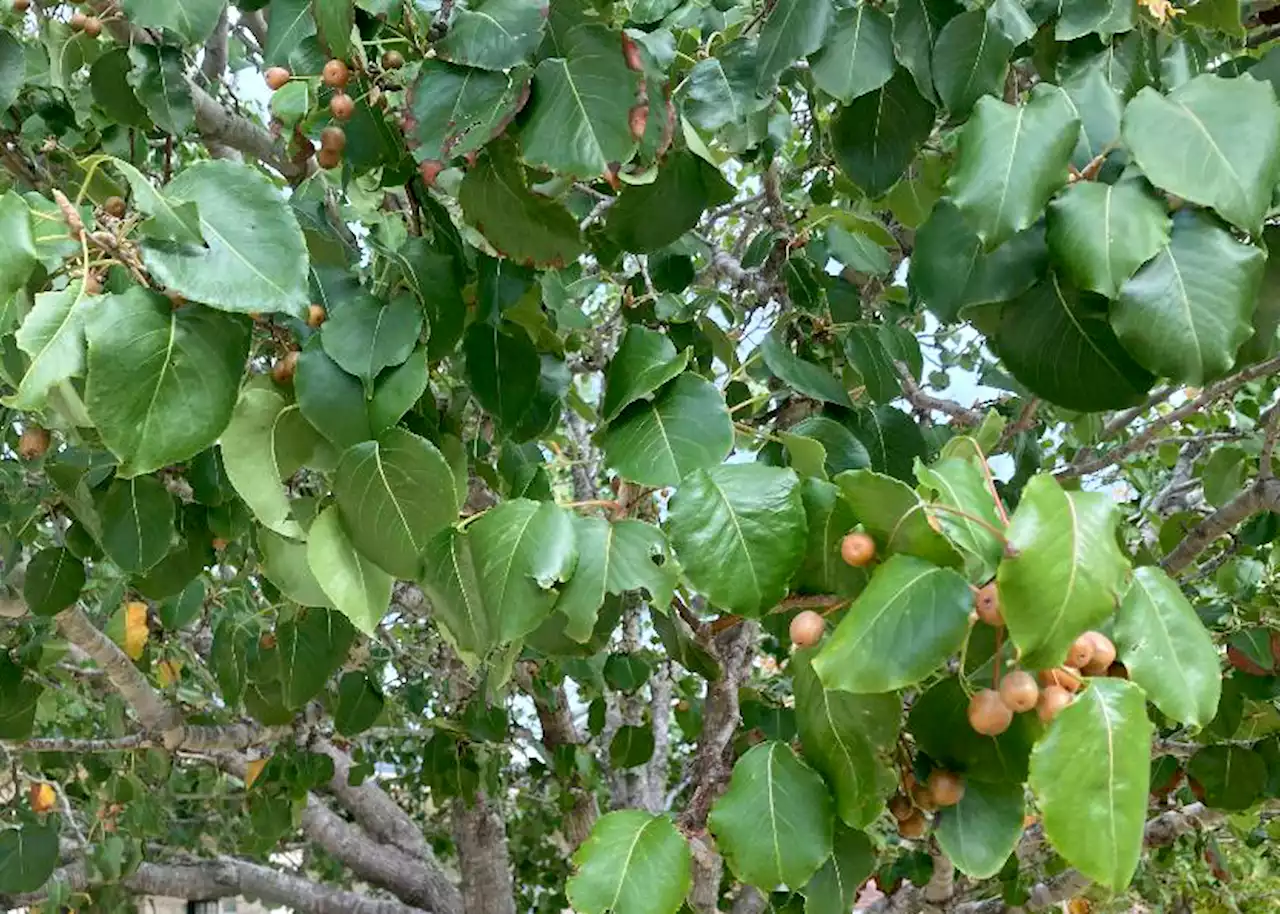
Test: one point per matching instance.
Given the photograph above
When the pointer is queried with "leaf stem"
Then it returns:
(995, 531)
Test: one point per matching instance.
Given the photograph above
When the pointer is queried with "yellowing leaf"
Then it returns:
(1161, 10)
(168, 672)
(252, 770)
(43, 797)
(135, 629)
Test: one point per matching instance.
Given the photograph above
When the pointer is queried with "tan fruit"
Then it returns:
(987, 605)
(219, 544)
(93, 26)
(1019, 691)
(33, 443)
(923, 798)
(342, 107)
(1104, 654)
(277, 77)
(78, 19)
(315, 316)
(988, 713)
(914, 827)
(1052, 700)
(858, 549)
(283, 370)
(900, 807)
(42, 798)
(807, 628)
(1081, 651)
(392, 60)
(947, 787)
(682, 706)
(115, 206)
(21, 6)
(335, 74)
(329, 158)
(334, 138)
(1062, 677)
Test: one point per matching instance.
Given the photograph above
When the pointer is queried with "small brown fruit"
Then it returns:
(858, 549)
(115, 206)
(219, 544)
(430, 170)
(1062, 677)
(914, 827)
(1104, 654)
(78, 19)
(284, 370)
(392, 60)
(93, 26)
(342, 107)
(1081, 651)
(334, 138)
(335, 74)
(987, 604)
(1019, 691)
(277, 77)
(42, 798)
(807, 628)
(947, 787)
(315, 316)
(21, 6)
(922, 798)
(1118, 670)
(682, 705)
(900, 807)
(988, 713)
(329, 158)
(1052, 700)
(33, 443)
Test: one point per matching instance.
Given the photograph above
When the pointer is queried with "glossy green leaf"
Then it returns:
(493, 34)
(966, 513)
(289, 24)
(1186, 313)
(394, 495)
(334, 21)
(774, 825)
(330, 399)
(1232, 777)
(18, 258)
(191, 19)
(892, 438)
(28, 857)
(1090, 774)
(53, 581)
(137, 522)
(162, 384)
(169, 221)
(721, 90)
(865, 348)
(262, 430)
(502, 366)
(284, 561)
(630, 747)
(1167, 650)
(658, 442)
(158, 78)
(1099, 104)
(1066, 573)
(877, 137)
(843, 450)
(902, 627)
(835, 887)
(456, 110)
(739, 531)
(497, 580)
(614, 558)
(312, 644)
(858, 251)
(805, 377)
(359, 704)
(980, 832)
(939, 723)
(366, 335)
(1011, 160)
(631, 863)
(52, 336)
(353, 585)
(916, 26)
(254, 258)
(1099, 234)
(850, 739)
(829, 517)
(895, 517)
(13, 67)
(1212, 141)
(969, 60)
(858, 55)
(648, 217)
(644, 362)
(790, 31)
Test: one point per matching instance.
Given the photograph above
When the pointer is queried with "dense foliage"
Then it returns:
(498, 455)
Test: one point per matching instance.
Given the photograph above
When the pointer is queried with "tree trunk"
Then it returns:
(481, 838)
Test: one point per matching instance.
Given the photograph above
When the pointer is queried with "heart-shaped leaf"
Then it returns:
(835, 887)
(980, 832)
(1100, 234)
(895, 517)
(354, 585)
(858, 55)
(877, 136)
(633, 862)
(645, 361)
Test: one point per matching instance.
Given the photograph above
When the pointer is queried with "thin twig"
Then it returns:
(923, 401)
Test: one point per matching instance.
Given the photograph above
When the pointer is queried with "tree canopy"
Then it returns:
(639, 456)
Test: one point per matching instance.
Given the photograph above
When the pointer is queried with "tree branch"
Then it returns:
(926, 402)
(1262, 495)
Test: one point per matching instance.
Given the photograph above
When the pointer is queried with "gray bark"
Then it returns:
(481, 838)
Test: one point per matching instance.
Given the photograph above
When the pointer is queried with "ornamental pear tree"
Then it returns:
(639, 456)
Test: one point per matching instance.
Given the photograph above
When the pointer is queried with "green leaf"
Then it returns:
(892, 439)
(631, 863)
(791, 31)
(895, 517)
(18, 257)
(159, 81)
(354, 585)
(1266, 317)
(366, 335)
(330, 399)
(28, 857)
(1099, 234)
(1232, 777)
(578, 121)
(1098, 104)
(1100, 743)
(312, 644)
(1212, 141)
(334, 21)
(980, 832)
(940, 724)
(1066, 572)
(910, 618)
(644, 362)
(877, 137)
(1057, 341)
(835, 887)
(493, 34)
(972, 522)
(1166, 649)
(916, 25)
(1075, 20)
(858, 252)
(626, 672)
(503, 370)
(527, 227)
(254, 258)
(969, 60)
(397, 390)
(720, 90)
(291, 23)
(53, 582)
(52, 336)
(843, 450)
(807, 378)
(284, 561)
(739, 531)
(681, 646)
(161, 383)
(496, 581)
(13, 68)
(359, 704)
(630, 747)
(614, 558)
(648, 217)
(1186, 313)
(658, 442)
(858, 55)
(774, 823)
(263, 428)
(137, 522)
(1011, 160)
(394, 495)
(864, 346)
(850, 739)
(829, 517)
(168, 222)
(193, 20)
(457, 110)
